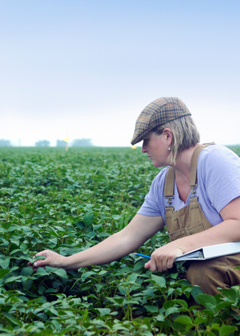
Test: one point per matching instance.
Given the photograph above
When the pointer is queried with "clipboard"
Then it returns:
(211, 251)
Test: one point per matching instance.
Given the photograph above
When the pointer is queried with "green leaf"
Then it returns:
(171, 310)
(53, 241)
(13, 279)
(195, 292)
(226, 330)
(132, 277)
(14, 268)
(160, 281)
(7, 225)
(60, 272)
(87, 275)
(125, 301)
(199, 320)
(104, 311)
(229, 293)
(15, 251)
(5, 262)
(183, 319)
(12, 319)
(80, 225)
(139, 265)
(3, 272)
(88, 218)
(27, 271)
(116, 217)
(160, 318)
(182, 303)
(151, 309)
(123, 290)
(207, 301)
(23, 247)
(41, 272)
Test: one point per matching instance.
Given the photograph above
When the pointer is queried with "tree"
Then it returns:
(42, 143)
(82, 143)
(61, 143)
(5, 143)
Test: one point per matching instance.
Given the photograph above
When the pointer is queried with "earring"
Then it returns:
(169, 148)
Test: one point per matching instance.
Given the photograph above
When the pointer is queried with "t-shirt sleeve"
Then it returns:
(152, 204)
(221, 174)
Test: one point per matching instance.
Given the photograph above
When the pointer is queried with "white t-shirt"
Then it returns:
(218, 176)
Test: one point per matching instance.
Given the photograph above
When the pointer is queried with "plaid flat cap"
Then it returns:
(157, 113)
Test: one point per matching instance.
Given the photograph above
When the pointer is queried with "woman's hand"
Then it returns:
(52, 259)
(163, 258)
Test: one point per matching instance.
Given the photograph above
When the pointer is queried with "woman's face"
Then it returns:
(156, 147)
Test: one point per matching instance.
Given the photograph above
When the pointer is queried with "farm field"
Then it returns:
(67, 202)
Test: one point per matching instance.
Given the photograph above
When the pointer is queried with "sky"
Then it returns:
(87, 68)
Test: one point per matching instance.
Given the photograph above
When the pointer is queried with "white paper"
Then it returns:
(212, 251)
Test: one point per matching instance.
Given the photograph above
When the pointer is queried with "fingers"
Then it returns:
(162, 259)
(40, 262)
(50, 258)
(147, 265)
(160, 263)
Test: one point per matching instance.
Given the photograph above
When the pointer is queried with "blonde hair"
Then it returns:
(185, 135)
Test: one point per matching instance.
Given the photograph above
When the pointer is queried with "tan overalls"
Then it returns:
(208, 274)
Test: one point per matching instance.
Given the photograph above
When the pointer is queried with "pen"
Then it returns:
(142, 255)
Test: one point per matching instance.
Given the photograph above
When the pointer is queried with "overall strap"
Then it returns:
(169, 188)
(194, 160)
(169, 183)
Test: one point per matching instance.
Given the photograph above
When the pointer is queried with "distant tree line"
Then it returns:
(5, 143)
(42, 143)
(85, 142)
(60, 143)
(82, 143)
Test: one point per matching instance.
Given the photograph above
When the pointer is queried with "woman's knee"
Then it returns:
(208, 276)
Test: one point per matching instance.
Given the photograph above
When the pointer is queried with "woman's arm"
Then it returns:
(225, 232)
(140, 229)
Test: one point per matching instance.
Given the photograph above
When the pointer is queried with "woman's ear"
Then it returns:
(169, 135)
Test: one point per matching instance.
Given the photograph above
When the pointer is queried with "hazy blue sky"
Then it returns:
(86, 69)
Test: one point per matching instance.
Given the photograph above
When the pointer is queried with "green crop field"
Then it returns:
(67, 202)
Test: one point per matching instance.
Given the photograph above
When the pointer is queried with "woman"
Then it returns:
(197, 196)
